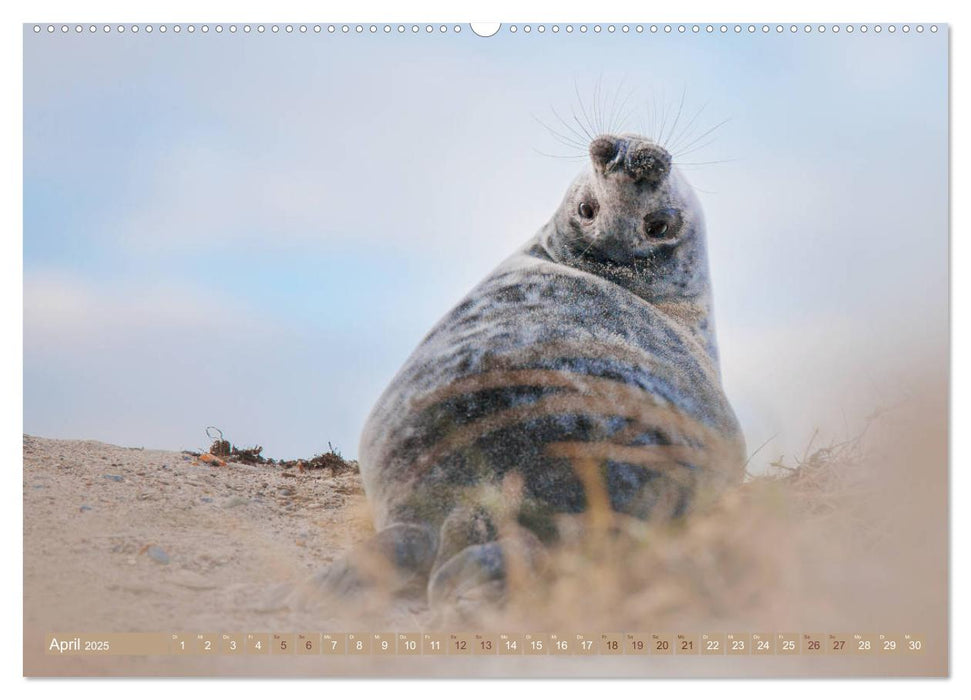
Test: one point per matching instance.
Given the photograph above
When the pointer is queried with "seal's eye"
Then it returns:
(657, 229)
(662, 225)
(585, 210)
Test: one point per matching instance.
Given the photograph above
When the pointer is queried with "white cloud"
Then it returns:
(60, 306)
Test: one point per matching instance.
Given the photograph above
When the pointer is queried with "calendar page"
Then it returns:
(486, 350)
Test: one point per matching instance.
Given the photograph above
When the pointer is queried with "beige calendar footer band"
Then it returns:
(482, 644)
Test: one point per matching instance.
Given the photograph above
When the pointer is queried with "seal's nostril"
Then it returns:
(603, 149)
(649, 163)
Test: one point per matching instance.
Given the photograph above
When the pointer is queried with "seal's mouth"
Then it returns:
(642, 161)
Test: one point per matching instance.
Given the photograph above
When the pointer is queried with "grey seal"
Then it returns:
(584, 369)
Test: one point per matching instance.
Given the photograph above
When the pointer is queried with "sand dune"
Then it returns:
(853, 539)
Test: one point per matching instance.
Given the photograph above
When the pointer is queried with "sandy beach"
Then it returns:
(127, 540)
(124, 539)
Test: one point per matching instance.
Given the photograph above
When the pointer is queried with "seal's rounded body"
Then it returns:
(586, 363)
(538, 358)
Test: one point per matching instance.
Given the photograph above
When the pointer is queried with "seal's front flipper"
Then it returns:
(474, 576)
(396, 561)
(482, 575)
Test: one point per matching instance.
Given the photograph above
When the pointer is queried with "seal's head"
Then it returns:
(634, 219)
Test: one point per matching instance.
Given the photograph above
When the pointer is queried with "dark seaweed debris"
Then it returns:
(331, 460)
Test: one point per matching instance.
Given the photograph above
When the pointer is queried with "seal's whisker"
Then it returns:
(623, 112)
(595, 126)
(562, 138)
(572, 147)
(586, 250)
(570, 142)
(668, 108)
(602, 109)
(699, 189)
(626, 116)
(686, 129)
(655, 118)
(583, 111)
(597, 107)
(559, 134)
(580, 124)
(579, 150)
(579, 137)
(664, 120)
(682, 164)
(699, 147)
(553, 155)
(623, 119)
(577, 119)
(648, 128)
(677, 118)
(611, 125)
(699, 138)
(649, 120)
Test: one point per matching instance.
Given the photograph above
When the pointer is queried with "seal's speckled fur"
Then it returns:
(584, 363)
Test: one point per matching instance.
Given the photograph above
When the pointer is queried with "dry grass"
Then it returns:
(852, 536)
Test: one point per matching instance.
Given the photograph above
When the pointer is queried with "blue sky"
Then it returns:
(254, 232)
